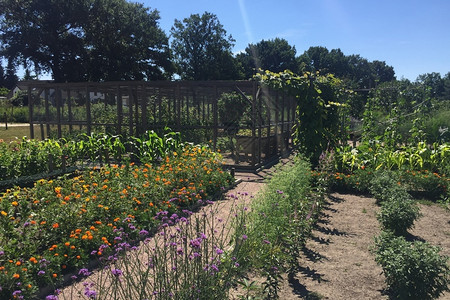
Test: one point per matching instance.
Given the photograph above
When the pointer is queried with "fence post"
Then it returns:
(50, 163)
(30, 112)
(6, 121)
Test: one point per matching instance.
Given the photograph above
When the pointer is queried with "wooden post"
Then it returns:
(6, 120)
(119, 111)
(130, 111)
(88, 111)
(215, 118)
(69, 110)
(42, 131)
(47, 112)
(51, 165)
(260, 121)
(254, 96)
(58, 111)
(278, 147)
(30, 112)
(144, 102)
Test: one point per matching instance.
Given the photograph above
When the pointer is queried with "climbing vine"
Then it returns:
(321, 108)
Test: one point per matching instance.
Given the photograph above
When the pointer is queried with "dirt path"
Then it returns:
(336, 262)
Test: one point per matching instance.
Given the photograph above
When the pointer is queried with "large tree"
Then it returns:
(125, 42)
(355, 70)
(71, 38)
(275, 55)
(202, 48)
(433, 82)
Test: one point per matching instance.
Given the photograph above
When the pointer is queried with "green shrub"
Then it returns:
(398, 215)
(384, 186)
(412, 270)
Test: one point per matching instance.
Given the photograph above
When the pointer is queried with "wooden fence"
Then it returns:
(256, 129)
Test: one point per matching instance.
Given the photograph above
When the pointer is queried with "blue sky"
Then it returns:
(412, 36)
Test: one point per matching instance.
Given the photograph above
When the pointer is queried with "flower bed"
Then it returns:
(60, 225)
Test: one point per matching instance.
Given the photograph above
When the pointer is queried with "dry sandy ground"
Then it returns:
(337, 263)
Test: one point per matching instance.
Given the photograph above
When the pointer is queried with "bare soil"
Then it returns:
(337, 263)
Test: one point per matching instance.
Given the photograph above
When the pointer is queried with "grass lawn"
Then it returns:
(12, 132)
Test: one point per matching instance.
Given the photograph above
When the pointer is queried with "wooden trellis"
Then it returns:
(132, 107)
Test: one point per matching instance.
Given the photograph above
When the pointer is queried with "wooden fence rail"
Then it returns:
(129, 108)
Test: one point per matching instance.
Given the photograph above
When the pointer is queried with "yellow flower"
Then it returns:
(14, 203)
(4, 213)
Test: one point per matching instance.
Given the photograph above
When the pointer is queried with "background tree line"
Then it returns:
(109, 40)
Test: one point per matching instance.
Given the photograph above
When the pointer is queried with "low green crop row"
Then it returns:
(28, 157)
(375, 155)
(278, 224)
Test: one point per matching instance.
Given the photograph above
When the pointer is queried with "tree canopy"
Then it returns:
(356, 71)
(275, 55)
(84, 39)
(202, 48)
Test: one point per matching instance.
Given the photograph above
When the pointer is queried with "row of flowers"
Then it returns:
(58, 226)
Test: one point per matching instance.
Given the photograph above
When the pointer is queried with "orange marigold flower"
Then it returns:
(54, 275)
(33, 260)
(56, 225)
(16, 276)
(14, 203)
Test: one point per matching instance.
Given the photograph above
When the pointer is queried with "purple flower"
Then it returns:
(244, 237)
(84, 272)
(2, 252)
(90, 293)
(180, 251)
(219, 251)
(143, 232)
(266, 242)
(51, 297)
(214, 268)
(40, 273)
(117, 272)
(17, 293)
(196, 243)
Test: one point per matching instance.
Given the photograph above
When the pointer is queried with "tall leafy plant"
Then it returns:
(321, 103)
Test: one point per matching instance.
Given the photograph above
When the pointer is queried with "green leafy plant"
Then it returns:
(321, 122)
(398, 215)
(412, 270)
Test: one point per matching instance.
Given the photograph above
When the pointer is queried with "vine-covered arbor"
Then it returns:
(248, 122)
